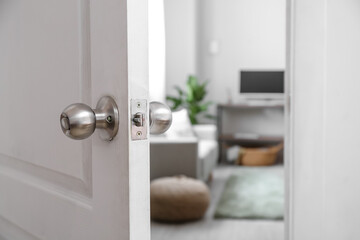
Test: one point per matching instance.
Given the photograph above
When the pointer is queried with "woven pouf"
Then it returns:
(178, 199)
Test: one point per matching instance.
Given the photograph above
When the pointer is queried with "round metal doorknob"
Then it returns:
(160, 118)
(78, 121)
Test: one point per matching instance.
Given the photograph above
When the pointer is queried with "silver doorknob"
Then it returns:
(160, 118)
(78, 121)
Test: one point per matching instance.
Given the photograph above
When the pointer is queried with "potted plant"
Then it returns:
(192, 99)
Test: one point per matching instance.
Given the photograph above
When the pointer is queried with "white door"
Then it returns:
(325, 120)
(54, 53)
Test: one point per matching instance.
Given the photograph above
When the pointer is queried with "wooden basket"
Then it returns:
(259, 156)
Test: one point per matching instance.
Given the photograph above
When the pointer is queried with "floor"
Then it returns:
(214, 229)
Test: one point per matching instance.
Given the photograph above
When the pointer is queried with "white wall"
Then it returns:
(248, 33)
(156, 26)
(325, 117)
(180, 32)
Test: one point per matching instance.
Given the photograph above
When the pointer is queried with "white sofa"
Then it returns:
(193, 156)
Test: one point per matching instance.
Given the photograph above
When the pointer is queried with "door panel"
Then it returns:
(45, 65)
(54, 53)
(324, 120)
(46, 49)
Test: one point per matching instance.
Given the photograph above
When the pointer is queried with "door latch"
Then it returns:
(139, 119)
(160, 118)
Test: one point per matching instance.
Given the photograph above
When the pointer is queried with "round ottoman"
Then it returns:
(178, 199)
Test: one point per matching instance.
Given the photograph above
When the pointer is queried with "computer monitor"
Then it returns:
(262, 84)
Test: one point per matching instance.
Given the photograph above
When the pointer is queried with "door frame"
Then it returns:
(288, 141)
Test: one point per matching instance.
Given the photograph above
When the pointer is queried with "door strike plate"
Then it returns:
(139, 120)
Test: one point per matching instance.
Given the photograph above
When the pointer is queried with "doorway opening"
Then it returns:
(219, 170)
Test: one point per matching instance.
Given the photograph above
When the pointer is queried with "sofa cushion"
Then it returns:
(205, 131)
(206, 148)
(207, 155)
(180, 126)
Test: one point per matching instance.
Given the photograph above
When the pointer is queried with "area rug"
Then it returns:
(254, 195)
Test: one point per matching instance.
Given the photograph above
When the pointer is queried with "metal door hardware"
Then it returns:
(78, 121)
(160, 118)
(138, 119)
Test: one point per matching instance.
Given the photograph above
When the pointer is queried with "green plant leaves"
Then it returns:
(192, 82)
(209, 116)
(191, 99)
(177, 102)
(190, 94)
(179, 90)
(204, 107)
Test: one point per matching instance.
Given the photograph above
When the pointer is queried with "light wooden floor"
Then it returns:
(214, 229)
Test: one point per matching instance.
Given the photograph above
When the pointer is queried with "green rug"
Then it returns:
(252, 194)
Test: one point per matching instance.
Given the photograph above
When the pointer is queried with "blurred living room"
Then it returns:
(218, 172)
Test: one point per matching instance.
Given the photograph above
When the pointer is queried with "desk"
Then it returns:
(246, 139)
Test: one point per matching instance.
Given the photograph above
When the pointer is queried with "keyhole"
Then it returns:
(109, 119)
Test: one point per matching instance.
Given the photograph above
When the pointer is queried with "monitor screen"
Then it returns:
(262, 82)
